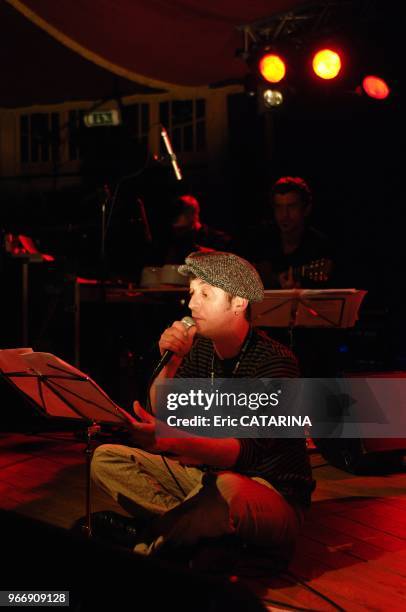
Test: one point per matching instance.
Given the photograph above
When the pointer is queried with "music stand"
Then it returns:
(58, 390)
(336, 308)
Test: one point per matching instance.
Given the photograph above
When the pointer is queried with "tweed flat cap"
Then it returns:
(227, 271)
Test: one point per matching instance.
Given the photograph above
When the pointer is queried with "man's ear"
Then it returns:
(240, 304)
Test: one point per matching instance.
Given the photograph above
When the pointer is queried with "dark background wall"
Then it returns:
(346, 146)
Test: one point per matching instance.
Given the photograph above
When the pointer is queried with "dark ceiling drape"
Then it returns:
(152, 42)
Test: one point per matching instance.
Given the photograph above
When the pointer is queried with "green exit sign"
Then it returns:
(105, 118)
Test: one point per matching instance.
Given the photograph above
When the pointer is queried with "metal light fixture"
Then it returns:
(272, 98)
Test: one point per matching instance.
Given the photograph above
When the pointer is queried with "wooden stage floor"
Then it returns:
(352, 550)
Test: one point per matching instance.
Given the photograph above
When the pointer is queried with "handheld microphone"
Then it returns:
(172, 156)
(187, 322)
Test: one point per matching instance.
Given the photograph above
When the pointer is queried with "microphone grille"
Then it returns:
(188, 322)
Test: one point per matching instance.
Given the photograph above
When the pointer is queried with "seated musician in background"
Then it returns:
(288, 252)
(187, 232)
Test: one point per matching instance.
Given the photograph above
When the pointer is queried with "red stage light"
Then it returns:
(375, 87)
(272, 67)
(326, 64)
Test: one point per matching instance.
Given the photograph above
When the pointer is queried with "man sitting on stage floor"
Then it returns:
(252, 490)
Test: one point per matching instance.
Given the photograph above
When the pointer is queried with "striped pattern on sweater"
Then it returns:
(282, 462)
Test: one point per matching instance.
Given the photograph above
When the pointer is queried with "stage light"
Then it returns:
(272, 98)
(326, 64)
(375, 87)
(272, 68)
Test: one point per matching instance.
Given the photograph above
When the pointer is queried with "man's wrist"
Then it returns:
(171, 367)
(163, 445)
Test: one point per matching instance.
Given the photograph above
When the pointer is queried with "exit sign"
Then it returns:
(105, 118)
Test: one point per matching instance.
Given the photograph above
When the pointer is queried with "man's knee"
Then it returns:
(259, 513)
(104, 461)
(234, 488)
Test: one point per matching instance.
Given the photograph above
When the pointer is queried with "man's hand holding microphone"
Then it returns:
(175, 342)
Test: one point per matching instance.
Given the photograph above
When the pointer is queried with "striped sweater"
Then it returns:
(282, 462)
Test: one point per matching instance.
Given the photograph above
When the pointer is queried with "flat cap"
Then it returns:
(231, 273)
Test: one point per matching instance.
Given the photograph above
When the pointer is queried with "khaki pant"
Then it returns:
(212, 504)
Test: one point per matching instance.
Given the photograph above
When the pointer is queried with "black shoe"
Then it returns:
(123, 531)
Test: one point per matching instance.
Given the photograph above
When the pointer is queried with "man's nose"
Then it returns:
(193, 302)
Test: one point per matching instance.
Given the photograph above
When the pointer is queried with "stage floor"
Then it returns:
(352, 550)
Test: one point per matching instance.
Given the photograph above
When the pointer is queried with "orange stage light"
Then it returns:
(375, 87)
(272, 67)
(326, 64)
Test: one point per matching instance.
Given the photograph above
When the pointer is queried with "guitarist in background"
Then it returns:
(289, 252)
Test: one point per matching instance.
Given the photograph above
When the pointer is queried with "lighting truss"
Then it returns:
(311, 20)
